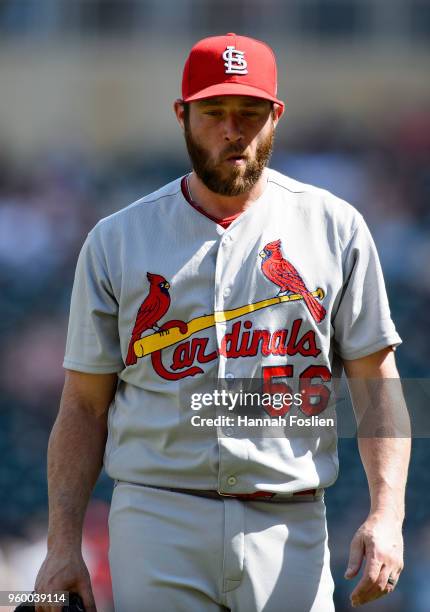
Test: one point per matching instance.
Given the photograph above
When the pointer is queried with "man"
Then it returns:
(231, 272)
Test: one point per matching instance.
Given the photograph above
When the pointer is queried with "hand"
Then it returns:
(380, 541)
(64, 571)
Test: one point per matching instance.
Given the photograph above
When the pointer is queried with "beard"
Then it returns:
(236, 180)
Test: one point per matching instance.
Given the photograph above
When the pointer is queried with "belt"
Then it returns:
(266, 496)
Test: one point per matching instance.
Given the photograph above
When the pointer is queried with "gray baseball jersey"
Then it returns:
(169, 299)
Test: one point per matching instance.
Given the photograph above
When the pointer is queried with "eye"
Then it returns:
(251, 113)
(213, 113)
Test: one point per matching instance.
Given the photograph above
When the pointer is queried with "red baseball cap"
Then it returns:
(230, 65)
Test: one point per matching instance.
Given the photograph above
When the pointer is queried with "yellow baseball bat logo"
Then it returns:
(161, 340)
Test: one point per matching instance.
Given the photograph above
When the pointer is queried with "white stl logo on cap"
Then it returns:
(234, 61)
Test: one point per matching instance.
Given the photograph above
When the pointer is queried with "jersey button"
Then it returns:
(226, 292)
(229, 431)
(231, 481)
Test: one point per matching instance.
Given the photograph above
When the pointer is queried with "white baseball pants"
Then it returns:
(175, 552)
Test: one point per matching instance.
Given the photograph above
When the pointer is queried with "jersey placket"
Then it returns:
(232, 451)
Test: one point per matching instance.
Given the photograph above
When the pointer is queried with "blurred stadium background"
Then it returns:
(86, 127)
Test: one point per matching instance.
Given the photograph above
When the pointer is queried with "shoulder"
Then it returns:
(318, 203)
(138, 212)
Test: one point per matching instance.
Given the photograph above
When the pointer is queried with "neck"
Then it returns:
(221, 206)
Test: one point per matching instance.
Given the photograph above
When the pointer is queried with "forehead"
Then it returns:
(233, 102)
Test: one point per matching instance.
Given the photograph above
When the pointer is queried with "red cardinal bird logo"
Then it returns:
(282, 273)
(154, 306)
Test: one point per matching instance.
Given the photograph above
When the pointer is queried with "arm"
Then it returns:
(384, 445)
(75, 456)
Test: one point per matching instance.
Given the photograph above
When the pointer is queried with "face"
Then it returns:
(229, 140)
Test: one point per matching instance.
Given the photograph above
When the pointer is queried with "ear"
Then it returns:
(277, 113)
(178, 109)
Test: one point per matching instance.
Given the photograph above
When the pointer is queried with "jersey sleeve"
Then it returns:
(93, 343)
(362, 322)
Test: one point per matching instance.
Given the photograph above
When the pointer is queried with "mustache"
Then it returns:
(233, 150)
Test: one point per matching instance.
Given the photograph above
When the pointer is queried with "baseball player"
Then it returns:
(231, 272)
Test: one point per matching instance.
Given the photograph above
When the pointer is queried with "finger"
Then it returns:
(368, 580)
(398, 569)
(356, 554)
(380, 586)
(88, 598)
(395, 575)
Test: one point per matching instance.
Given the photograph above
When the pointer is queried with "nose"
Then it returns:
(232, 128)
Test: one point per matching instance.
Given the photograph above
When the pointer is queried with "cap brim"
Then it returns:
(232, 89)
